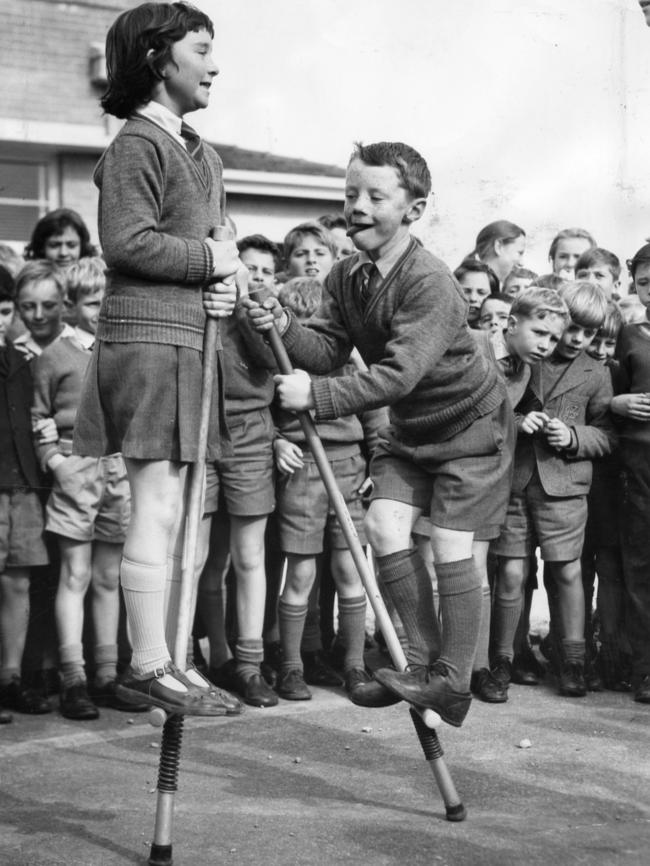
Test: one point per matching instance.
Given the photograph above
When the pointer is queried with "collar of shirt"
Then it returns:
(86, 339)
(386, 263)
(25, 344)
(164, 117)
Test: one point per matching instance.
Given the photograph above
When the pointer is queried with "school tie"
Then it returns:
(369, 274)
(192, 141)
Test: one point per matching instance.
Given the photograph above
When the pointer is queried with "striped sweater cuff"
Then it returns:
(323, 402)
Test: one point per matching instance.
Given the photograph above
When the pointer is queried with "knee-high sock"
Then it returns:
(406, 581)
(249, 654)
(459, 587)
(291, 618)
(482, 657)
(507, 613)
(352, 630)
(144, 597)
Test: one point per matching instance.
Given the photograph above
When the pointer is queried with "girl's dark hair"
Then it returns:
(6, 284)
(55, 223)
(474, 266)
(642, 255)
(131, 70)
(501, 230)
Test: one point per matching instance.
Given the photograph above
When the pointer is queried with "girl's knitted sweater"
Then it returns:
(413, 335)
(156, 207)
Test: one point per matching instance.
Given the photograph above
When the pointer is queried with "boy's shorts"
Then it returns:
(463, 483)
(304, 512)
(246, 479)
(92, 501)
(554, 524)
(21, 530)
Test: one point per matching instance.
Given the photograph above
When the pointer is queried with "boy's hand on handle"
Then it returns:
(534, 422)
(225, 255)
(294, 391)
(558, 435)
(219, 299)
(635, 406)
(288, 457)
(264, 316)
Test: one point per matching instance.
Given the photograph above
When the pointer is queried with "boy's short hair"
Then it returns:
(470, 265)
(6, 284)
(263, 245)
(55, 223)
(551, 281)
(612, 323)
(570, 233)
(519, 273)
(498, 296)
(37, 271)
(301, 295)
(538, 303)
(85, 277)
(641, 255)
(408, 163)
(587, 303)
(131, 70)
(600, 256)
(311, 227)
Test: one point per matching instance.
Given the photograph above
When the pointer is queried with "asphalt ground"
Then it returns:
(325, 782)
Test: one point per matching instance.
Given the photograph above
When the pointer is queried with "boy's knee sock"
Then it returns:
(482, 657)
(506, 616)
(105, 664)
(292, 623)
(249, 653)
(144, 597)
(71, 664)
(573, 651)
(352, 630)
(459, 586)
(406, 581)
(311, 637)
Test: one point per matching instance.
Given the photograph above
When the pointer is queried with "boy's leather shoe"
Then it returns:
(317, 672)
(75, 703)
(428, 687)
(225, 676)
(17, 696)
(257, 692)
(572, 680)
(526, 670)
(642, 693)
(149, 688)
(292, 686)
(486, 687)
(367, 692)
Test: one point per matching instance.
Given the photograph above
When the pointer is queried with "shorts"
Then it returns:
(463, 483)
(304, 512)
(91, 502)
(21, 530)
(554, 524)
(247, 479)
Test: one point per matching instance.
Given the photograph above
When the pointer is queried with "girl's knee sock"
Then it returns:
(459, 587)
(292, 623)
(143, 585)
(507, 613)
(105, 664)
(352, 630)
(406, 581)
(249, 653)
(482, 657)
(71, 665)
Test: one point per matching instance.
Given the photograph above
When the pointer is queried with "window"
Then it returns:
(23, 198)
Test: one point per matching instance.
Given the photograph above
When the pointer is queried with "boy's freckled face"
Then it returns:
(642, 283)
(261, 269)
(494, 315)
(86, 312)
(515, 285)
(601, 276)
(376, 205)
(532, 339)
(476, 287)
(41, 308)
(188, 76)
(64, 248)
(7, 310)
(574, 340)
(602, 348)
(310, 258)
(567, 253)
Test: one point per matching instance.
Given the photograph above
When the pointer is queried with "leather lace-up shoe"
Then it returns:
(317, 672)
(367, 692)
(192, 701)
(526, 670)
(256, 691)
(428, 687)
(75, 703)
(486, 687)
(572, 680)
(292, 686)
(19, 697)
